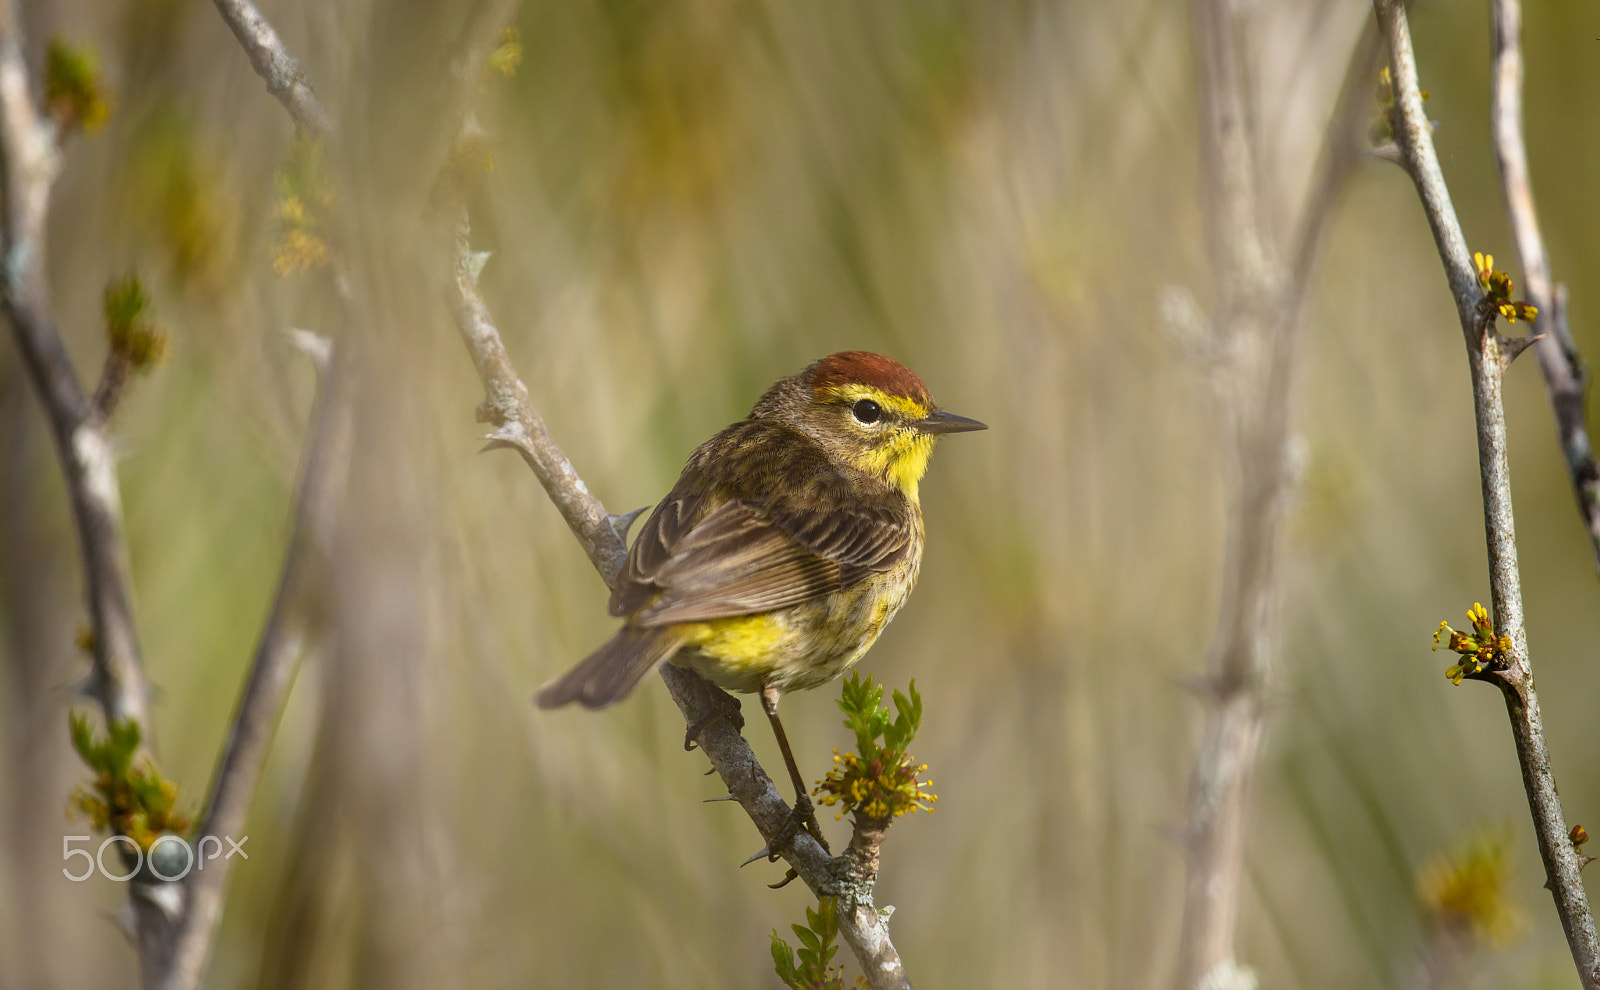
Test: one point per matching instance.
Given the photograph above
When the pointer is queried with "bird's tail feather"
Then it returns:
(608, 674)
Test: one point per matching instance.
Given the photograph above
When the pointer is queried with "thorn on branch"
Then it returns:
(1513, 346)
(314, 346)
(1388, 153)
(625, 522)
(508, 436)
(473, 262)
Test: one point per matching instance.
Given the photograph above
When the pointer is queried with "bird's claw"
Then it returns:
(805, 815)
(802, 819)
(785, 881)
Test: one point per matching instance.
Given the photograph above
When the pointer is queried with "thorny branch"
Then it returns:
(1565, 377)
(1258, 310)
(1489, 355)
(520, 427)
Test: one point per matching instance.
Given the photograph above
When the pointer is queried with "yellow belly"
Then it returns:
(803, 646)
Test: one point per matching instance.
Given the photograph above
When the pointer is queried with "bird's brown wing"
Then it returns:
(691, 564)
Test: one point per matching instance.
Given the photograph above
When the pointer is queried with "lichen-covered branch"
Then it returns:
(1489, 355)
(519, 426)
(1565, 377)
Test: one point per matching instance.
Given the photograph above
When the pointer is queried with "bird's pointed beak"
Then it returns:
(940, 421)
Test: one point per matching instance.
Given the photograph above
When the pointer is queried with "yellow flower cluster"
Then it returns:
(875, 788)
(305, 197)
(1496, 287)
(1480, 649)
(1466, 889)
(127, 794)
(507, 57)
(112, 806)
(298, 250)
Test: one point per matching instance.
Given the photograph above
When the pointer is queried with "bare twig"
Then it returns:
(114, 375)
(1565, 377)
(277, 68)
(1257, 315)
(1487, 353)
(272, 673)
(518, 425)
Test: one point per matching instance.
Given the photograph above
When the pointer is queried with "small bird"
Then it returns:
(790, 540)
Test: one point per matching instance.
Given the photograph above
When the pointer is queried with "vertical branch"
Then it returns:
(1489, 355)
(171, 935)
(83, 447)
(1258, 309)
(1219, 785)
(272, 673)
(1565, 377)
(88, 464)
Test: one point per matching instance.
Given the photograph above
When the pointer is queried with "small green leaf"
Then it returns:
(83, 739)
(826, 920)
(807, 936)
(783, 960)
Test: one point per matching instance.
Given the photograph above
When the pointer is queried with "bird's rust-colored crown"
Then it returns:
(874, 370)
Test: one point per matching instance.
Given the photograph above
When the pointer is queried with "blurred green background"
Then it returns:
(687, 202)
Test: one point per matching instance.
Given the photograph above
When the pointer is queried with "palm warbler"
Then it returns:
(788, 543)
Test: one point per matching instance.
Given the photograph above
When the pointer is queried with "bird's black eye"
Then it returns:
(867, 411)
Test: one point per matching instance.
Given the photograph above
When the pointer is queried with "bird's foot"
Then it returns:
(727, 707)
(803, 817)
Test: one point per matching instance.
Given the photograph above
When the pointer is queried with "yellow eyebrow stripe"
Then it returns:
(909, 408)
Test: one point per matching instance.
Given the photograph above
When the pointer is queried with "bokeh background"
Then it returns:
(686, 203)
